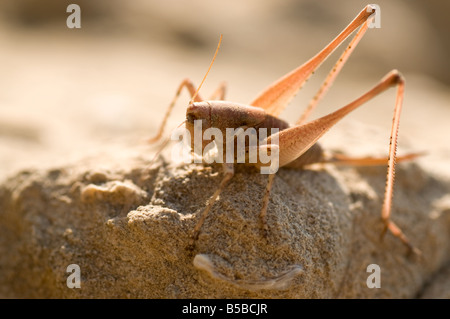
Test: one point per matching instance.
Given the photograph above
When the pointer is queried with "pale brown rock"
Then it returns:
(438, 286)
(127, 227)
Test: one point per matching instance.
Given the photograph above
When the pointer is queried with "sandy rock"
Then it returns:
(127, 227)
(438, 286)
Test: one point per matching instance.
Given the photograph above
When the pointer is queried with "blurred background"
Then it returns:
(71, 92)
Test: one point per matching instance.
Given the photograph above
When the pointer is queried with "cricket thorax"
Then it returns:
(225, 115)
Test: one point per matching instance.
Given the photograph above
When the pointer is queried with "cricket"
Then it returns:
(296, 145)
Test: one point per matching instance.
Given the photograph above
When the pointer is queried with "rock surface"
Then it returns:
(127, 226)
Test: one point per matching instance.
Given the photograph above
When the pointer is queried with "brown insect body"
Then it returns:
(296, 144)
(225, 114)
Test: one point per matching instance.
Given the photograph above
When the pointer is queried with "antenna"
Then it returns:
(210, 65)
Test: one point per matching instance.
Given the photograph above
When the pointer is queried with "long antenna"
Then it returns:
(210, 65)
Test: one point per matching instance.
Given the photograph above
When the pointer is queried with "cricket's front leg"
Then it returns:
(263, 213)
(228, 174)
(269, 166)
(189, 85)
(219, 94)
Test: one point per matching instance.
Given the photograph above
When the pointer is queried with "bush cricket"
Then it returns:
(297, 144)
